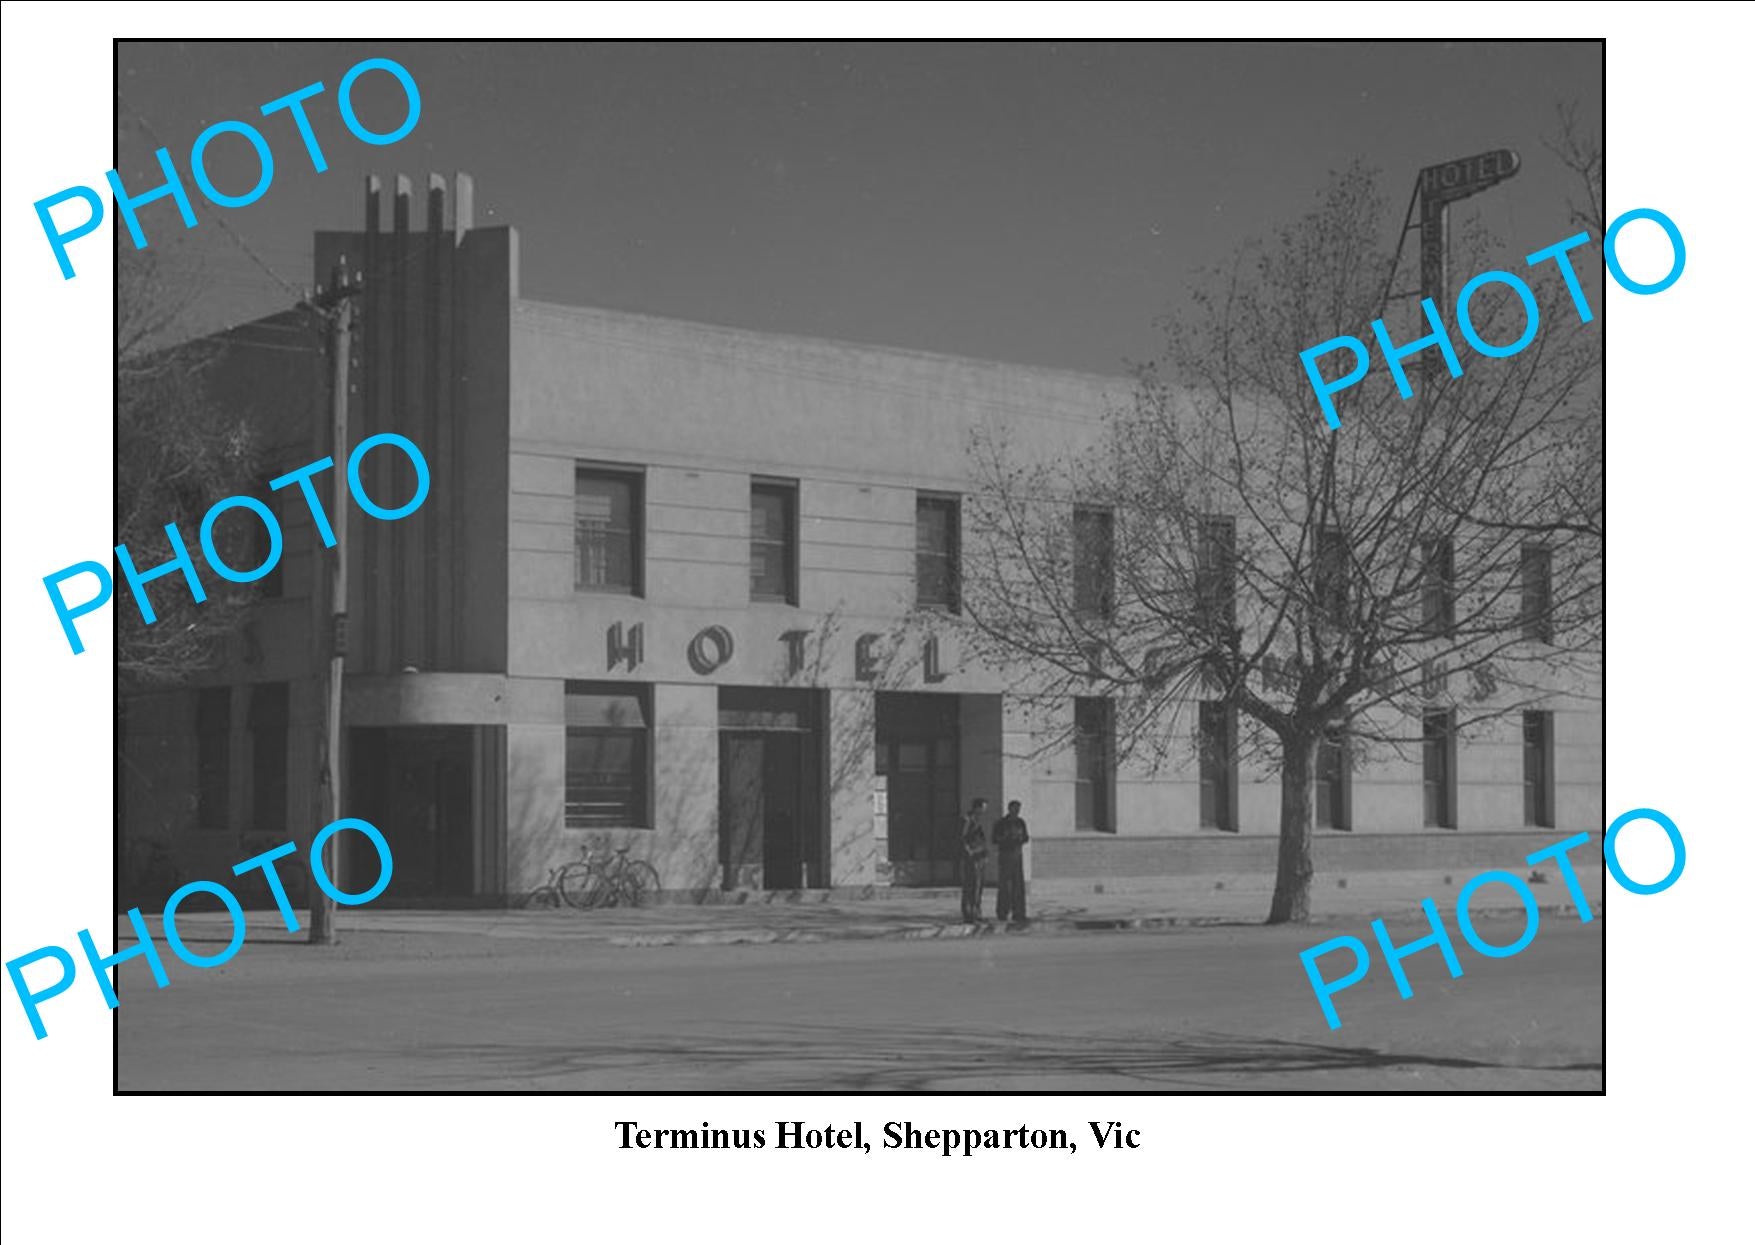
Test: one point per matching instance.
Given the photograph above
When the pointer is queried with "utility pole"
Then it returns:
(338, 311)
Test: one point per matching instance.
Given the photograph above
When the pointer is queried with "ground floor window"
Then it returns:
(608, 744)
(1333, 784)
(1218, 766)
(1538, 768)
(268, 723)
(1438, 768)
(213, 769)
(1094, 768)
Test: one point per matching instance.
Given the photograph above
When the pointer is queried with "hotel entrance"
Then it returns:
(918, 750)
(435, 794)
(770, 789)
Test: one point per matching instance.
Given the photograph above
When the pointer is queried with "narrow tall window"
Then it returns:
(1218, 766)
(608, 735)
(1536, 566)
(607, 513)
(1333, 784)
(213, 760)
(1438, 768)
(268, 722)
(774, 541)
(1331, 573)
(1438, 586)
(1094, 764)
(1215, 583)
(1093, 561)
(1538, 768)
(936, 541)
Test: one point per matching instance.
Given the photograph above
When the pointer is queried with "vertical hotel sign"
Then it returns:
(1440, 186)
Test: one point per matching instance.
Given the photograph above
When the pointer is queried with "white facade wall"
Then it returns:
(700, 410)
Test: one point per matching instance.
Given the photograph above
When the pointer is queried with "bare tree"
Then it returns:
(1221, 544)
(177, 452)
(1578, 473)
(1580, 153)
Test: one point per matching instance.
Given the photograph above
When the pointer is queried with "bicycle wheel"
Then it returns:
(639, 884)
(583, 885)
(544, 896)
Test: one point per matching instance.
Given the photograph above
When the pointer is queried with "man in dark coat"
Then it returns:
(1009, 836)
(974, 840)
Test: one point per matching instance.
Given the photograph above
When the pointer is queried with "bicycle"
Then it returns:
(600, 879)
(614, 880)
(553, 892)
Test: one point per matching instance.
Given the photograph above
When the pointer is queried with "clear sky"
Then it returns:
(1034, 202)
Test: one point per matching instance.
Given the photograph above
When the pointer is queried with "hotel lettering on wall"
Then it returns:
(714, 645)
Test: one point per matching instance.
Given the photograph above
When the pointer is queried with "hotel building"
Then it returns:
(674, 589)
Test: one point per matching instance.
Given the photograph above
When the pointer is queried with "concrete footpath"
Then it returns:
(1350, 902)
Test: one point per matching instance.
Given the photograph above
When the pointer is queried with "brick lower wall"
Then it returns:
(1098, 859)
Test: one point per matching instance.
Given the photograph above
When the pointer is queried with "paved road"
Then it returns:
(1201, 1009)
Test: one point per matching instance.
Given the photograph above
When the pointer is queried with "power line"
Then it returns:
(297, 292)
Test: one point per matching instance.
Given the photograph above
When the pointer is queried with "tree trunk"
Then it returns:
(1297, 814)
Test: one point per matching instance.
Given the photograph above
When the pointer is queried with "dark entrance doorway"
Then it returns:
(429, 790)
(917, 750)
(770, 789)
